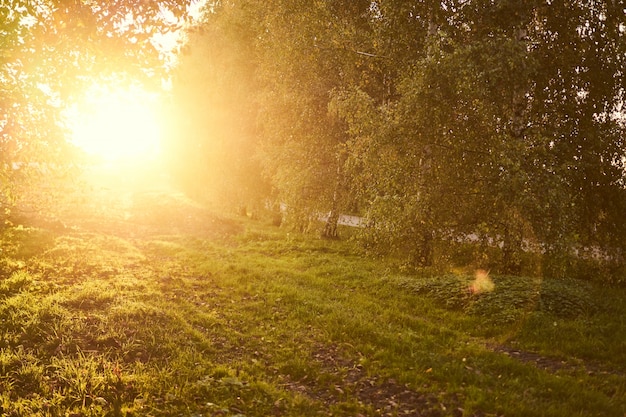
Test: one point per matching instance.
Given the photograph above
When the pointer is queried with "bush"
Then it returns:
(508, 298)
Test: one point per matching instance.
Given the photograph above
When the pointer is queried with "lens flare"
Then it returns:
(482, 283)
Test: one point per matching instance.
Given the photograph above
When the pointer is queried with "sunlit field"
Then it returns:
(147, 303)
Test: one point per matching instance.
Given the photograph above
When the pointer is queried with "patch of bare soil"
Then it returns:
(386, 396)
(552, 364)
(535, 359)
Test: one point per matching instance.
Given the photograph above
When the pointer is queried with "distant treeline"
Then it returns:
(431, 119)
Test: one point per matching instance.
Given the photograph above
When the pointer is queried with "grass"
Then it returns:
(141, 314)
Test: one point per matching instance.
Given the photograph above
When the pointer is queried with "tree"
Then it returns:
(485, 113)
(259, 78)
(576, 102)
(437, 119)
(214, 102)
(307, 49)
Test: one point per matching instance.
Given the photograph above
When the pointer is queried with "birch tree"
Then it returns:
(499, 124)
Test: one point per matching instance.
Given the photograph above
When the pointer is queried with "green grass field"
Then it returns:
(155, 306)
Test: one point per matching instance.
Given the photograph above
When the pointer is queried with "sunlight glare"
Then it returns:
(117, 124)
(482, 283)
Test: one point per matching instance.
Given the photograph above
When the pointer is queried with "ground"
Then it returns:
(126, 297)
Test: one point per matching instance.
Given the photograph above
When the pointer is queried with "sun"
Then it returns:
(116, 124)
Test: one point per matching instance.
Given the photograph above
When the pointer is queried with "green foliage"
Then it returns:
(212, 142)
(266, 69)
(435, 120)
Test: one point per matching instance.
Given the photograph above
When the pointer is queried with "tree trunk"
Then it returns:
(426, 250)
(512, 250)
(330, 228)
(514, 228)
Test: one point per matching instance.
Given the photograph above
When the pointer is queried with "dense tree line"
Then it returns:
(503, 120)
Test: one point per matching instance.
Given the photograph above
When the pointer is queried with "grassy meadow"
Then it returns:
(148, 304)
